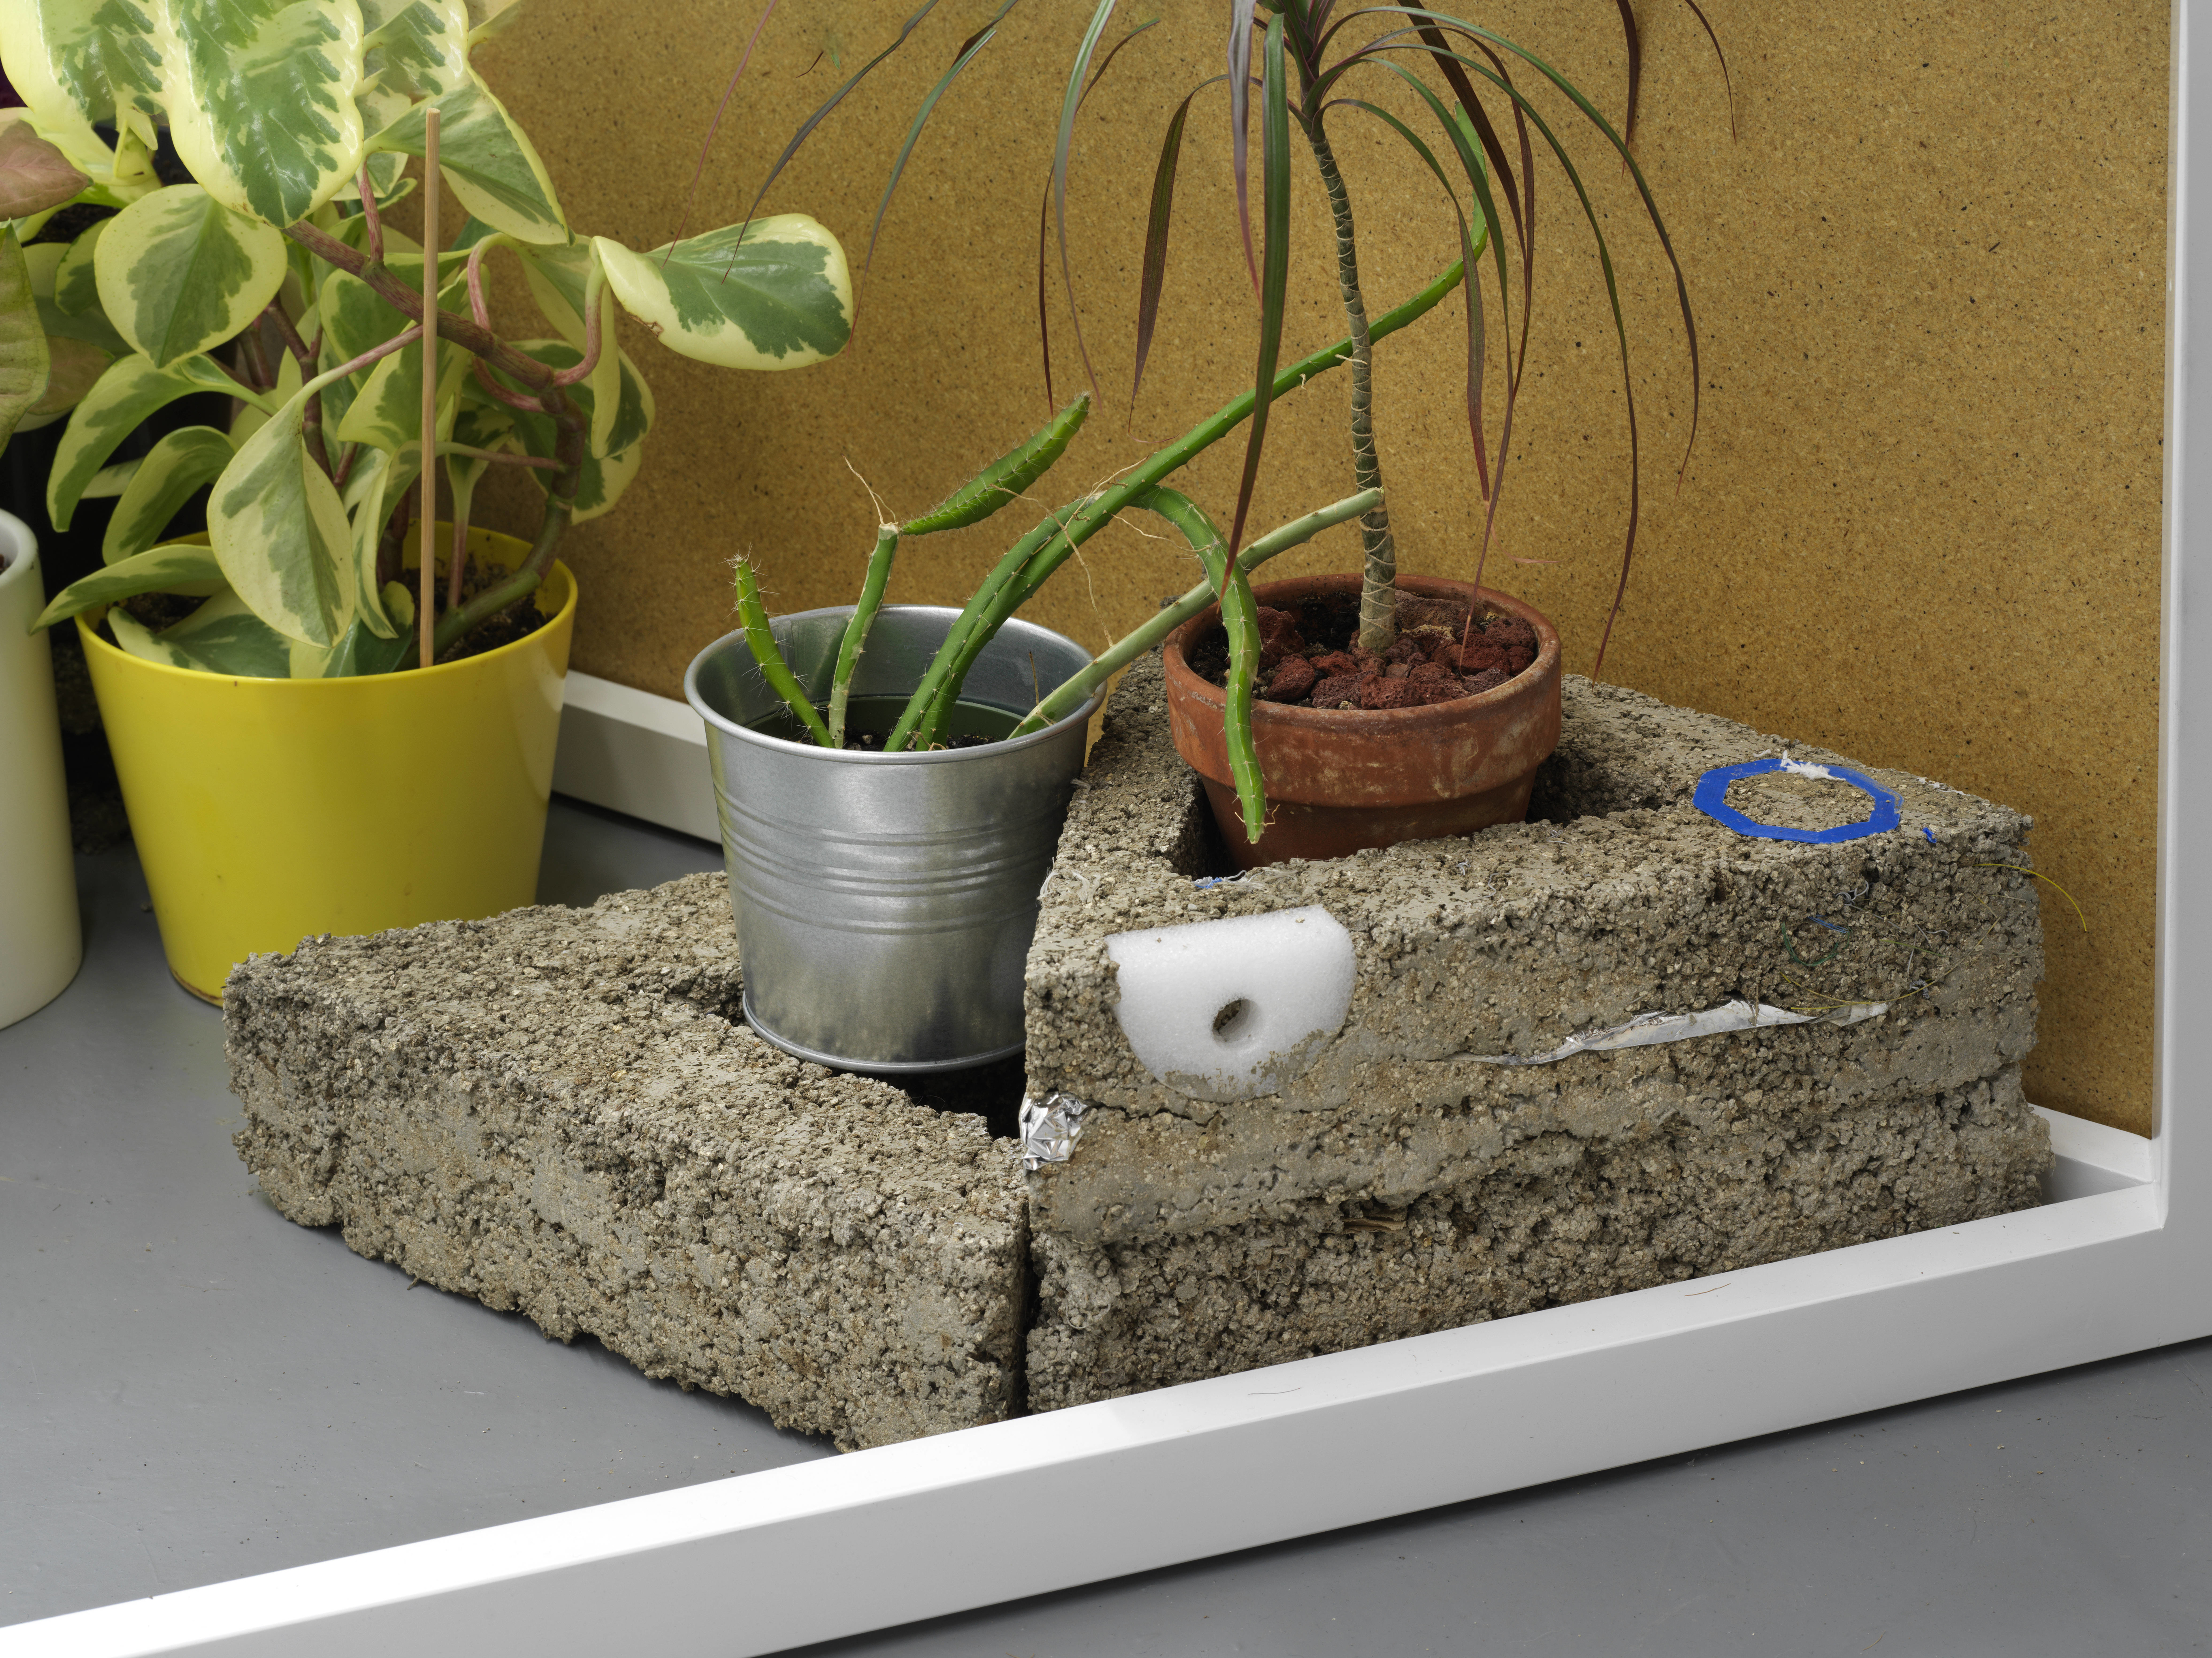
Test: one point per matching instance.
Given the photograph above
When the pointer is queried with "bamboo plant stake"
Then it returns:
(425, 619)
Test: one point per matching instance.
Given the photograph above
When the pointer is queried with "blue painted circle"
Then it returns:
(1712, 798)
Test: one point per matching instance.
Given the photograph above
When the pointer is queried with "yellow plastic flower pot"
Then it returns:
(269, 810)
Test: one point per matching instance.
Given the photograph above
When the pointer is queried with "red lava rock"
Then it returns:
(1511, 632)
(1417, 612)
(1385, 692)
(1515, 638)
(1438, 657)
(1278, 631)
(1447, 690)
(1294, 678)
(1477, 656)
(1436, 683)
(1334, 662)
(1336, 691)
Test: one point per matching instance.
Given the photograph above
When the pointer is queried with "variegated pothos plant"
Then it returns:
(272, 279)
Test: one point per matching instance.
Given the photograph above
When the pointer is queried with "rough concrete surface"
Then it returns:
(559, 1111)
(1404, 1183)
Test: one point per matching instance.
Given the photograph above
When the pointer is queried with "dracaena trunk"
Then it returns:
(1378, 600)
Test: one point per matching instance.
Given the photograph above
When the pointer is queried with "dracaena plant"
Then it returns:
(271, 279)
(1318, 64)
(1225, 565)
(1225, 561)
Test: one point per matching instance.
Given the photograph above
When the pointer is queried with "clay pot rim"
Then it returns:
(1190, 683)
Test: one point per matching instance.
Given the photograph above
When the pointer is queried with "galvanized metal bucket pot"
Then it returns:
(885, 902)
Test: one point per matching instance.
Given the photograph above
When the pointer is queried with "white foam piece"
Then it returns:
(1234, 1009)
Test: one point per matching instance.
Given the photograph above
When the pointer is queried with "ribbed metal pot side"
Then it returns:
(885, 902)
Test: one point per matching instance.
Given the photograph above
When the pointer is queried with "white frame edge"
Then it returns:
(766, 1561)
(635, 753)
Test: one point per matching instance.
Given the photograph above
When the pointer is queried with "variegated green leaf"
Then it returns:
(280, 532)
(260, 99)
(130, 390)
(250, 418)
(179, 272)
(110, 482)
(488, 18)
(77, 284)
(172, 569)
(224, 636)
(557, 277)
(485, 426)
(174, 469)
(380, 477)
(561, 279)
(601, 482)
(134, 637)
(417, 48)
(387, 410)
(338, 395)
(379, 110)
(624, 425)
(42, 262)
(362, 652)
(479, 426)
(357, 317)
(90, 326)
(77, 63)
(23, 360)
(487, 159)
(779, 298)
(72, 368)
(618, 423)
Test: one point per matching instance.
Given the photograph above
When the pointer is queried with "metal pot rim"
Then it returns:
(735, 640)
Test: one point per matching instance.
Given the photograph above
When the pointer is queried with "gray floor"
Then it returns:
(194, 1389)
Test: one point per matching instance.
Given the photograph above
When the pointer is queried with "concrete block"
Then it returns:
(559, 1111)
(1390, 1177)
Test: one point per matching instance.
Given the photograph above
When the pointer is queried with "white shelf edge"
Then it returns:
(755, 1563)
(634, 752)
(805, 1553)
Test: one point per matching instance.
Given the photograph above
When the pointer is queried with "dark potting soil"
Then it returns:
(873, 742)
(869, 721)
(1309, 659)
(153, 612)
(517, 621)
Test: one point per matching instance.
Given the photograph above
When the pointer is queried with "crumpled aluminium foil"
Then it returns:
(1049, 1129)
(1646, 1029)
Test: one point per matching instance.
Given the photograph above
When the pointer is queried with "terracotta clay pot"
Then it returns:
(1339, 779)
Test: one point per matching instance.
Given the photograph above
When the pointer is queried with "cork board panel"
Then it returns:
(1921, 522)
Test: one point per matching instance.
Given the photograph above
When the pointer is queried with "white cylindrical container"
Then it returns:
(41, 940)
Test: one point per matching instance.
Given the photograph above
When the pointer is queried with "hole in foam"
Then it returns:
(1234, 1024)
